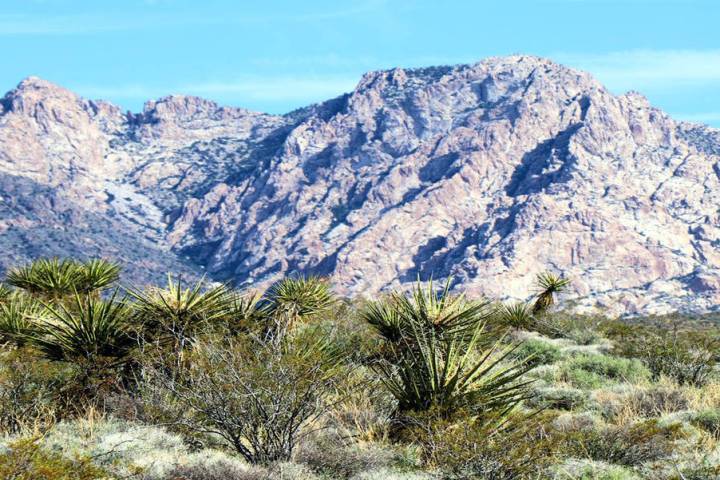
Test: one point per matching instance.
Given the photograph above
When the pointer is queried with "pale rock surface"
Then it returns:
(489, 173)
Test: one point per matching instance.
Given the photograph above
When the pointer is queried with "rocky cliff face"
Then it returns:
(489, 172)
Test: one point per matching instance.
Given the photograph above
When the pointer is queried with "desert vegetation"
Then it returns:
(201, 381)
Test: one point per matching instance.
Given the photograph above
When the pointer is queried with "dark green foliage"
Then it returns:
(517, 315)
(293, 299)
(90, 332)
(176, 314)
(708, 420)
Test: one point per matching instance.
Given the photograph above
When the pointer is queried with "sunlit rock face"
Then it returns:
(489, 173)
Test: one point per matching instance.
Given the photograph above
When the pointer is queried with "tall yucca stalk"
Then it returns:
(441, 356)
(549, 285)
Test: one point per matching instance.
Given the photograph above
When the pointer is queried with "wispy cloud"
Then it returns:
(649, 69)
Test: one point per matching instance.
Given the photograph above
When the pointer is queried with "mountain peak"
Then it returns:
(487, 173)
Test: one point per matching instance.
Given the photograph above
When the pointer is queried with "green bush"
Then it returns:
(25, 460)
(708, 420)
(33, 391)
(558, 398)
(628, 445)
(594, 371)
(537, 352)
(468, 449)
(689, 357)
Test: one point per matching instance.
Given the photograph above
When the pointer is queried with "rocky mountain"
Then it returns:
(489, 172)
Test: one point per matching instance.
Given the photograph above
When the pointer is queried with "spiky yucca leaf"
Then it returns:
(5, 292)
(179, 312)
(20, 318)
(92, 329)
(97, 274)
(384, 317)
(549, 285)
(53, 278)
(516, 315)
(445, 358)
(293, 299)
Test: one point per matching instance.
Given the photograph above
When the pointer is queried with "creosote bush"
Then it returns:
(256, 396)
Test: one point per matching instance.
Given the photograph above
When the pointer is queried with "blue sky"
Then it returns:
(274, 55)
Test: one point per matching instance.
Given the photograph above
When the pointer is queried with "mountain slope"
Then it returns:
(489, 172)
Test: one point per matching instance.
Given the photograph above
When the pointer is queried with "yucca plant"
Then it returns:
(245, 312)
(444, 359)
(55, 279)
(294, 299)
(516, 315)
(549, 285)
(90, 332)
(175, 314)
(20, 316)
(384, 317)
(96, 275)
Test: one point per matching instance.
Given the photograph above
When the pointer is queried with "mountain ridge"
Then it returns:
(489, 172)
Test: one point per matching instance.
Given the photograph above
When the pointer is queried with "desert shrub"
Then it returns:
(390, 474)
(537, 352)
(688, 357)
(581, 329)
(32, 391)
(429, 362)
(329, 456)
(209, 465)
(657, 401)
(576, 469)
(257, 397)
(708, 420)
(593, 371)
(627, 445)
(558, 398)
(24, 459)
(481, 449)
